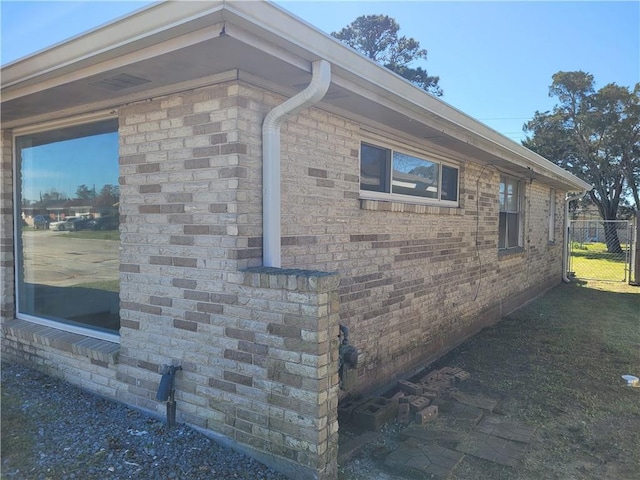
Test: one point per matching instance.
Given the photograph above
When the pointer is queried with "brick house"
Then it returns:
(273, 184)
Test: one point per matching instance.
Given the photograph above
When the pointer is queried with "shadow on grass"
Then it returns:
(609, 257)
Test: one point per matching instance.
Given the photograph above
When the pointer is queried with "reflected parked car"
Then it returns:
(68, 223)
(40, 222)
(107, 222)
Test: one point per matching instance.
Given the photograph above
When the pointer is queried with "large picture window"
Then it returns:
(510, 222)
(68, 228)
(399, 175)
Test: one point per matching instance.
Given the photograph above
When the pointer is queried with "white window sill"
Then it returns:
(507, 252)
(394, 205)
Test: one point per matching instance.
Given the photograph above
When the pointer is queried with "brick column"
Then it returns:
(7, 298)
(300, 347)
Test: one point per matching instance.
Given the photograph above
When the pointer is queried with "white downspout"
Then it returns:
(314, 92)
(565, 251)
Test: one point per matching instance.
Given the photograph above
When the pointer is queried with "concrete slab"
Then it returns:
(479, 401)
(508, 429)
(354, 445)
(426, 435)
(415, 458)
(461, 412)
(493, 449)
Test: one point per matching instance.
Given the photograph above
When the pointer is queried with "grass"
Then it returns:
(94, 234)
(591, 260)
(557, 364)
(107, 285)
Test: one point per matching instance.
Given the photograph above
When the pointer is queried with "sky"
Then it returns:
(65, 165)
(495, 59)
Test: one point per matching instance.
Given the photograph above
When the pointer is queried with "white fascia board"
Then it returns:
(118, 100)
(137, 55)
(145, 27)
(300, 35)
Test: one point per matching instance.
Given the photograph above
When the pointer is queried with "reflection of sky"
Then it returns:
(405, 163)
(415, 166)
(63, 166)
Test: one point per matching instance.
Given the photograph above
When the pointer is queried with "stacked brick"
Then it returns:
(406, 403)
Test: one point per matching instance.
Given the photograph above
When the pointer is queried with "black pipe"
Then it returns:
(344, 330)
(166, 392)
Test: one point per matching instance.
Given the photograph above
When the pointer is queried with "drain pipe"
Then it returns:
(565, 252)
(314, 92)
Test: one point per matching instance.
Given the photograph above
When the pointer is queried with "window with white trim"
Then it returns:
(67, 236)
(552, 215)
(510, 222)
(389, 174)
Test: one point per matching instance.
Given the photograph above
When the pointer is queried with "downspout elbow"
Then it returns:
(314, 92)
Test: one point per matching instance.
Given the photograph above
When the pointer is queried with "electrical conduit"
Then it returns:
(314, 92)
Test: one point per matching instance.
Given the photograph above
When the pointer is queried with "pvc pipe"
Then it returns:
(565, 251)
(315, 91)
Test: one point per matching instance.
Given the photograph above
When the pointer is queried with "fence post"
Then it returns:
(635, 252)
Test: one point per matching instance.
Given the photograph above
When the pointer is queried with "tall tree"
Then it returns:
(376, 37)
(595, 135)
(108, 197)
(84, 193)
(52, 195)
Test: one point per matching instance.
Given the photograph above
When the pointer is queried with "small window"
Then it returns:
(398, 175)
(373, 168)
(552, 215)
(510, 222)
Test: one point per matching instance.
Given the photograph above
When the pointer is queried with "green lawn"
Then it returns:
(107, 285)
(94, 234)
(592, 261)
(557, 364)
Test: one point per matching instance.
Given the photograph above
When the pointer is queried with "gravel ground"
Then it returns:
(52, 430)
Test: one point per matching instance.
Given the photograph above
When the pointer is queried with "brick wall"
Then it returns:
(258, 347)
(416, 280)
(256, 356)
(7, 299)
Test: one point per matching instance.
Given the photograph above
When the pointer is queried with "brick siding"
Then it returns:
(258, 348)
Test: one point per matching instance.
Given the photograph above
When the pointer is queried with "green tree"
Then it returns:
(596, 136)
(52, 195)
(376, 37)
(84, 193)
(108, 197)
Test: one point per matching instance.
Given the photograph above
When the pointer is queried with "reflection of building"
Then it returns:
(57, 210)
(243, 278)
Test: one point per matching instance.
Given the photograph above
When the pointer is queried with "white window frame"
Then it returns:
(420, 154)
(552, 215)
(519, 211)
(57, 124)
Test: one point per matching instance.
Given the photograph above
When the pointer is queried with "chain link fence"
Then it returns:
(600, 250)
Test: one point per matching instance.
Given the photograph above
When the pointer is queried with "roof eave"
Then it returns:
(285, 31)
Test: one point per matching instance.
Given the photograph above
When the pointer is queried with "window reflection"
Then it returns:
(68, 242)
(414, 176)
